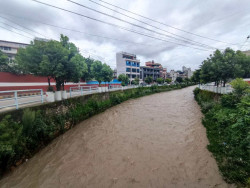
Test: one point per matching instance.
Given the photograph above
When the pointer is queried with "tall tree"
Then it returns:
(58, 60)
(96, 69)
(107, 73)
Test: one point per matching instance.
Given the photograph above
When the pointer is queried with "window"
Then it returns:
(133, 70)
(128, 63)
(133, 76)
(138, 64)
(133, 64)
(128, 69)
(5, 48)
(138, 70)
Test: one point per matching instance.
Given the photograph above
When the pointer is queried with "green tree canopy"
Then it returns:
(58, 60)
(179, 79)
(136, 81)
(159, 80)
(148, 79)
(223, 66)
(124, 79)
(107, 73)
(168, 80)
(96, 69)
(4, 63)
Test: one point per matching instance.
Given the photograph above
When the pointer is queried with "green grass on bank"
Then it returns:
(227, 120)
(23, 132)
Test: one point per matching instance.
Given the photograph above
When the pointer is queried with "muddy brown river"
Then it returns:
(153, 141)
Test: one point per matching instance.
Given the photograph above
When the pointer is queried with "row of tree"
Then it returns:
(58, 60)
(221, 67)
(125, 80)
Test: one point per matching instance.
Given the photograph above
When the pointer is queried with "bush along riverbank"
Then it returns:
(25, 131)
(227, 120)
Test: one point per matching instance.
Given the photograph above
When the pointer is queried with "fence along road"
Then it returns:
(15, 99)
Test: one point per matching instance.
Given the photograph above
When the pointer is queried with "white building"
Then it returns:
(10, 48)
(127, 64)
(173, 75)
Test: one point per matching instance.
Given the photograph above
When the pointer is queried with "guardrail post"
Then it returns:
(81, 92)
(16, 101)
(42, 95)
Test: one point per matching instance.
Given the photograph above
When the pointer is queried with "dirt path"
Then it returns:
(153, 141)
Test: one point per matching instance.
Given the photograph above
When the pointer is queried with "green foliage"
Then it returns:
(107, 73)
(196, 76)
(58, 60)
(136, 81)
(96, 68)
(179, 80)
(124, 79)
(168, 80)
(222, 66)
(148, 79)
(227, 122)
(240, 87)
(160, 80)
(10, 143)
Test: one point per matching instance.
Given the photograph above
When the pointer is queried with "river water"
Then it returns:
(153, 141)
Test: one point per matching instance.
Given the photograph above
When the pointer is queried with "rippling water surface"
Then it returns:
(153, 141)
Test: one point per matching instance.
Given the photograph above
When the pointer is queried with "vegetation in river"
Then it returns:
(227, 120)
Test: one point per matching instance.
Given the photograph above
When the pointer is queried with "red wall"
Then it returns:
(6, 78)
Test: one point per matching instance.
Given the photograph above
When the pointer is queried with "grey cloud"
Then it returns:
(222, 20)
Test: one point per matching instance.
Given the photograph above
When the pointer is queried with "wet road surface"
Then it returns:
(153, 141)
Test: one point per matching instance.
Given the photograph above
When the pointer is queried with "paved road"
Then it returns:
(153, 141)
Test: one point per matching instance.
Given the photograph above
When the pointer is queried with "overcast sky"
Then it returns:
(227, 21)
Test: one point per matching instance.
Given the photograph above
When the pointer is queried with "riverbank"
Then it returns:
(152, 141)
(227, 118)
(26, 131)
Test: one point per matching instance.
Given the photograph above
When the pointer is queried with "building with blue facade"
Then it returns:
(128, 64)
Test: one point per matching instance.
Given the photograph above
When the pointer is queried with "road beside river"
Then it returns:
(153, 141)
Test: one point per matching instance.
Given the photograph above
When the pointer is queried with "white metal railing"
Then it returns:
(115, 87)
(215, 89)
(81, 90)
(20, 97)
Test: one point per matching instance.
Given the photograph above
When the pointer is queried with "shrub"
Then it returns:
(227, 122)
(240, 87)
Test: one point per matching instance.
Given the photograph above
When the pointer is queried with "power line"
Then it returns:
(111, 24)
(22, 26)
(15, 32)
(245, 42)
(94, 35)
(166, 24)
(141, 21)
(17, 28)
(122, 20)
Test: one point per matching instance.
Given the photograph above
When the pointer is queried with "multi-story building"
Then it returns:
(173, 75)
(155, 70)
(11, 48)
(146, 71)
(128, 64)
(187, 72)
